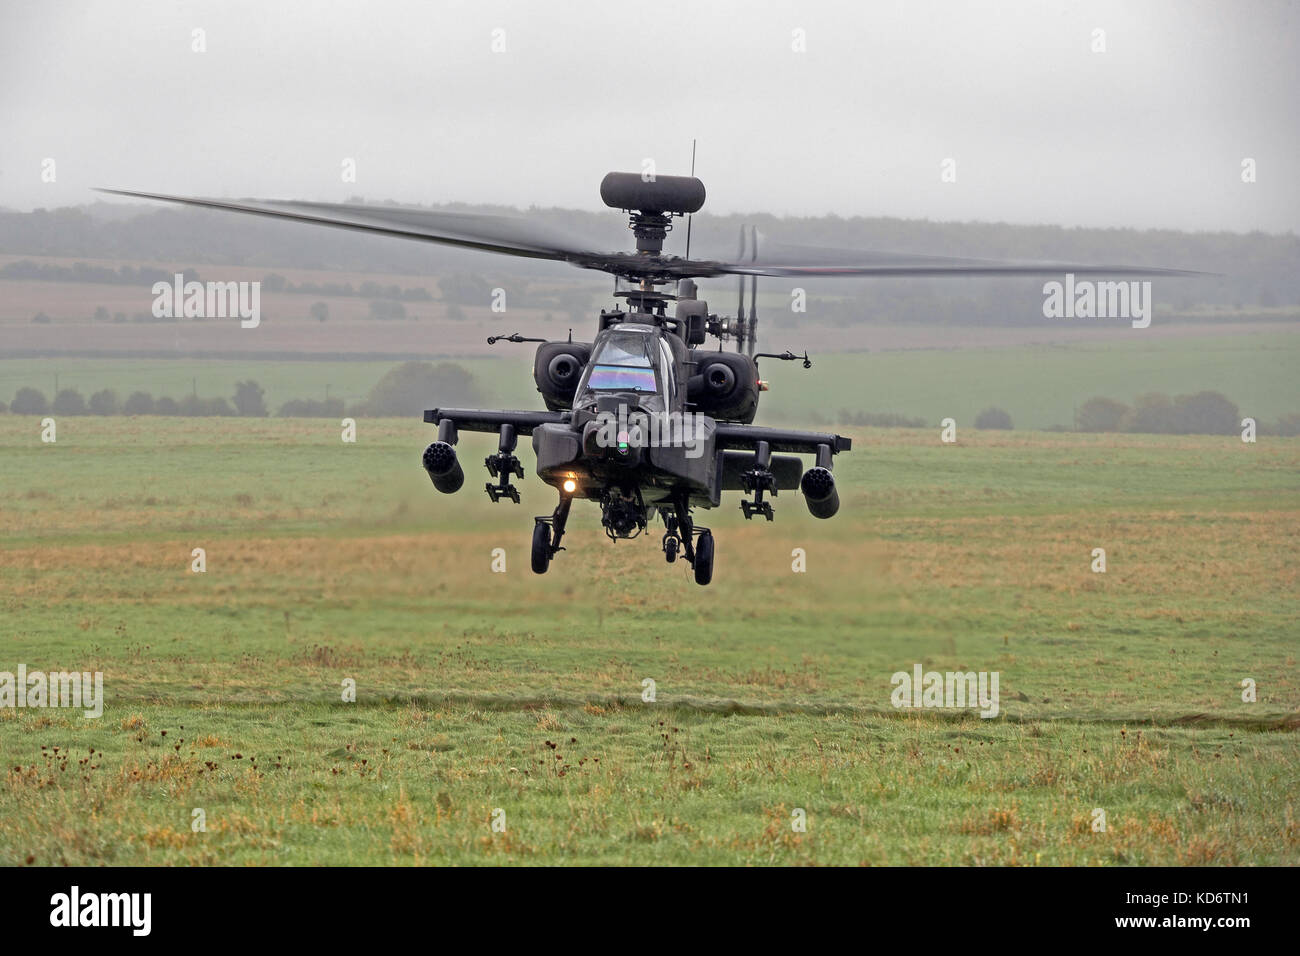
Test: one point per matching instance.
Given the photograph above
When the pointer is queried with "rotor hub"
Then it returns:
(650, 230)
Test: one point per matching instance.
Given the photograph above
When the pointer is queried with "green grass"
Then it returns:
(480, 691)
(1042, 385)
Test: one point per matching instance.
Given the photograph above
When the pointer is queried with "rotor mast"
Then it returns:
(651, 203)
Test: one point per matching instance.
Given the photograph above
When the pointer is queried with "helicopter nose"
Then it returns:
(613, 440)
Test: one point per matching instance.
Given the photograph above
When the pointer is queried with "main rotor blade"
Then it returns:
(506, 235)
(516, 236)
(781, 260)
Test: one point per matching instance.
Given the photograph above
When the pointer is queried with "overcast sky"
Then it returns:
(1151, 132)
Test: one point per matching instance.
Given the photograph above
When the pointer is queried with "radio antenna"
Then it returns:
(688, 218)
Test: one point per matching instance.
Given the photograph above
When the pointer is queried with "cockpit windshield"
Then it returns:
(622, 378)
(624, 348)
(622, 364)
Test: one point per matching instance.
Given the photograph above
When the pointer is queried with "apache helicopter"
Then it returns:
(646, 374)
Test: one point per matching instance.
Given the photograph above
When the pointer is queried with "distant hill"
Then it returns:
(1260, 273)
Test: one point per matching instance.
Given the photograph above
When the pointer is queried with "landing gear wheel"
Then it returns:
(541, 547)
(704, 558)
(670, 549)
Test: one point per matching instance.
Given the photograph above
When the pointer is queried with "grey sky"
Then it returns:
(1151, 132)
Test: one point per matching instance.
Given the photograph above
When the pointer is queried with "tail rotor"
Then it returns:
(740, 294)
(752, 336)
(747, 326)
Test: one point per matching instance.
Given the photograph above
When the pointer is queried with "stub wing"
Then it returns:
(747, 437)
(759, 461)
(491, 420)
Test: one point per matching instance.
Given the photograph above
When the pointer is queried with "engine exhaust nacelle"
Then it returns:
(443, 467)
(724, 385)
(557, 366)
(818, 487)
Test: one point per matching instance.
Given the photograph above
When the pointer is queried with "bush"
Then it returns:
(104, 402)
(1206, 413)
(166, 406)
(1101, 415)
(384, 309)
(410, 388)
(29, 401)
(192, 405)
(465, 288)
(40, 318)
(1288, 426)
(1152, 414)
(993, 418)
(249, 399)
(138, 403)
(68, 402)
(879, 419)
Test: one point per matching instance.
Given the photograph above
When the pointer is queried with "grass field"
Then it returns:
(480, 692)
(1040, 385)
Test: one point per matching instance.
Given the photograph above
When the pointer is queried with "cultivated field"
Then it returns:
(287, 328)
(480, 692)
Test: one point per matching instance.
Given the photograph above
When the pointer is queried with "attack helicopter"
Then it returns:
(646, 420)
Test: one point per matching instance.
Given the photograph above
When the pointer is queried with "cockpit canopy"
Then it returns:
(629, 358)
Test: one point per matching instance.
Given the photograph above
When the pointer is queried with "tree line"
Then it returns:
(405, 390)
(409, 387)
(1152, 413)
(148, 275)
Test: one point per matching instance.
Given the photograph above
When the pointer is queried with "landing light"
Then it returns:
(570, 486)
